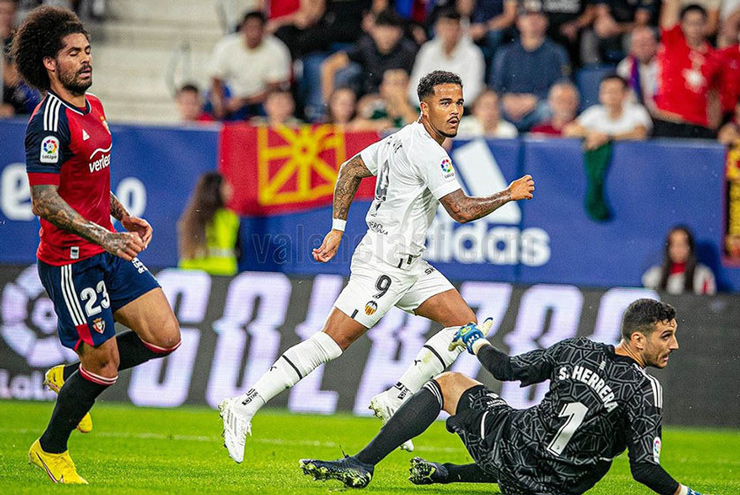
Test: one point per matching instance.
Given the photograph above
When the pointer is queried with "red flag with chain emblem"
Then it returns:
(287, 169)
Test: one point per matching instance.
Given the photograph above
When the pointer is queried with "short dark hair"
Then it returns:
(41, 36)
(616, 77)
(642, 315)
(389, 17)
(188, 87)
(693, 7)
(449, 13)
(435, 78)
(253, 14)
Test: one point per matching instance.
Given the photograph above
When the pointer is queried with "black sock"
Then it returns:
(411, 419)
(131, 350)
(467, 473)
(76, 398)
(69, 369)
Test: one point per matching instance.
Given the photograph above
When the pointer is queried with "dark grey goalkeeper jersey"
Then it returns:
(598, 404)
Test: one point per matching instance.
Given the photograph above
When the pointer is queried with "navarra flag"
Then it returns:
(286, 169)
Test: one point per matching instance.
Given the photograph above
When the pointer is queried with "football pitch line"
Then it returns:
(218, 439)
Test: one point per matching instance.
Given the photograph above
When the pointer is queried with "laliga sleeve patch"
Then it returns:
(49, 150)
(656, 449)
(447, 169)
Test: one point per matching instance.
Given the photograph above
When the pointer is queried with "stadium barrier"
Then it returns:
(233, 329)
(284, 176)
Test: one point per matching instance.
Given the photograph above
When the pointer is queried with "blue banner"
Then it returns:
(649, 187)
(153, 172)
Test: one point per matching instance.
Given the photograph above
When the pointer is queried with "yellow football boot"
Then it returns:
(54, 379)
(59, 467)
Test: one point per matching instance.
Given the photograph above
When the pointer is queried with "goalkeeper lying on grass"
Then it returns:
(601, 402)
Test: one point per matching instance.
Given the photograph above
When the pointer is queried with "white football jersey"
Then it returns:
(413, 172)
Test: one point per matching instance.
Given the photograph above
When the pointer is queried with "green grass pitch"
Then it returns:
(150, 451)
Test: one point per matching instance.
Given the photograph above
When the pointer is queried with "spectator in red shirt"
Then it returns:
(190, 105)
(563, 99)
(687, 100)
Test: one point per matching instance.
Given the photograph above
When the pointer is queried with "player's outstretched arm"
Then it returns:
(48, 205)
(658, 480)
(463, 208)
(531, 367)
(348, 181)
(132, 224)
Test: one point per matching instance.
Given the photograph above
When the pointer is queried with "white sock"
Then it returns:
(432, 360)
(289, 369)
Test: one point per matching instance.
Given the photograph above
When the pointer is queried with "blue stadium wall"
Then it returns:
(649, 187)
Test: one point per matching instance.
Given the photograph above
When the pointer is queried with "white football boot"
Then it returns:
(384, 406)
(236, 427)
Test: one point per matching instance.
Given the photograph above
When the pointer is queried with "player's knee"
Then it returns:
(470, 316)
(448, 378)
(102, 363)
(453, 382)
(110, 369)
(171, 335)
(168, 338)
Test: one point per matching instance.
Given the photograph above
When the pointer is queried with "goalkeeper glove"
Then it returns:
(467, 335)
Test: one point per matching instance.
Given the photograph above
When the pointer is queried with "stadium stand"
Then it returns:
(144, 50)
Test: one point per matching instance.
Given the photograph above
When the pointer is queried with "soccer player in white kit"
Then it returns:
(414, 174)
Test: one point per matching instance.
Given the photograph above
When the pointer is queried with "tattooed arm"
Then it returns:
(132, 224)
(48, 205)
(116, 208)
(350, 174)
(348, 181)
(465, 209)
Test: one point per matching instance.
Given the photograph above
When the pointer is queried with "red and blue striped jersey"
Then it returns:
(70, 147)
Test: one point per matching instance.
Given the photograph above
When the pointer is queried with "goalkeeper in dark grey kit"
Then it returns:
(601, 401)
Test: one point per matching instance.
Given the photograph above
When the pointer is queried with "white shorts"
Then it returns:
(375, 286)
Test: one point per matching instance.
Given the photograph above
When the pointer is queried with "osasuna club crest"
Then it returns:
(371, 307)
(98, 325)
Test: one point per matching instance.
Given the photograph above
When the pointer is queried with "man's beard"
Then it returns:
(71, 83)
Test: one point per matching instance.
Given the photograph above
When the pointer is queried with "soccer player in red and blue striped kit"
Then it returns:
(90, 271)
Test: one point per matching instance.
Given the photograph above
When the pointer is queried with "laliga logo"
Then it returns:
(495, 239)
(29, 324)
(50, 145)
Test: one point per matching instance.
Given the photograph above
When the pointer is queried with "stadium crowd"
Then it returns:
(669, 69)
(526, 65)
